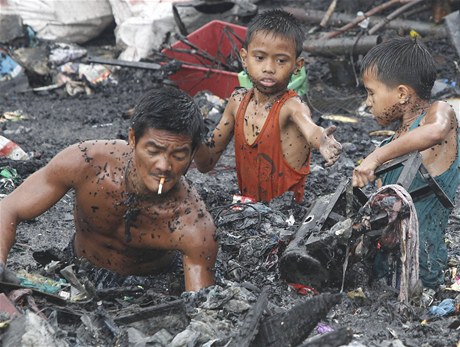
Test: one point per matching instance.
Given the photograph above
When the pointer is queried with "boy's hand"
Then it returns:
(329, 147)
(364, 173)
(7, 275)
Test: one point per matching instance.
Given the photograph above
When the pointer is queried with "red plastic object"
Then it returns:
(220, 40)
(6, 306)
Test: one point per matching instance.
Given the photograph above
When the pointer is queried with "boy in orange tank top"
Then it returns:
(273, 129)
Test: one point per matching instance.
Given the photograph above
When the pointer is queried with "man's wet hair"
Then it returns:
(279, 23)
(402, 60)
(168, 108)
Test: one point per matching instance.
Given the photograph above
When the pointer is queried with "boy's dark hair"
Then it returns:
(168, 108)
(402, 60)
(277, 22)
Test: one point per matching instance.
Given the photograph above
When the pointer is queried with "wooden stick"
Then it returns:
(359, 19)
(328, 14)
(393, 15)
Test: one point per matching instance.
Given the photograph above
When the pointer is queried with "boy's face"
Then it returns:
(160, 154)
(270, 61)
(384, 102)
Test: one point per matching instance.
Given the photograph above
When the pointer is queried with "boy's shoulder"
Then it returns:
(441, 109)
(441, 106)
(240, 92)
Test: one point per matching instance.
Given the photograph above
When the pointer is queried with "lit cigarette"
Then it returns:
(160, 187)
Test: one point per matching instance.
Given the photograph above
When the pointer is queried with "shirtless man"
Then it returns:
(133, 210)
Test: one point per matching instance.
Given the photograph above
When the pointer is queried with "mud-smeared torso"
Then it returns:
(121, 231)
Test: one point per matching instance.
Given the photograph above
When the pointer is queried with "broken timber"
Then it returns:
(343, 45)
(291, 327)
(315, 17)
(250, 327)
(171, 315)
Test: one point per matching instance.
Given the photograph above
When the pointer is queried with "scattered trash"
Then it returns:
(242, 199)
(11, 150)
(339, 118)
(385, 133)
(7, 307)
(445, 308)
(41, 283)
(357, 293)
(442, 86)
(303, 289)
(95, 74)
(455, 286)
(13, 116)
(62, 53)
(322, 328)
(9, 179)
(9, 68)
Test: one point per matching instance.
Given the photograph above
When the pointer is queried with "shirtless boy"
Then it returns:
(133, 210)
(398, 75)
(274, 132)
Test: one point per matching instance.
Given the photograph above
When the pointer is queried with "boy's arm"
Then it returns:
(317, 137)
(209, 152)
(35, 195)
(438, 122)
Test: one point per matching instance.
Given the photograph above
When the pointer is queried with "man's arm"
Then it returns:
(35, 195)
(209, 152)
(199, 250)
(317, 137)
(438, 123)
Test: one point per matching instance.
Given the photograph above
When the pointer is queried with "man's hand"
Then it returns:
(364, 173)
(329, 147)
(7, 275)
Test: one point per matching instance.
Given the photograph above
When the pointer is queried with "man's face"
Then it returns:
(270, 61)
(160, 154)
(383, 101)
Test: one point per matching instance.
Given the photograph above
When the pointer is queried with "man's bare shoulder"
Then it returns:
(101, 149)
(84, 156)
(195, 212)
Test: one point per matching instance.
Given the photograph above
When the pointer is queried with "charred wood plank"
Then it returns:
(293, 326)
(250, 326)
(176, 306)
(336, 338)
(171, 316)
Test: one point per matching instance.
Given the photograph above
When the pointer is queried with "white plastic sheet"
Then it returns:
(143, 24)
(73, 21)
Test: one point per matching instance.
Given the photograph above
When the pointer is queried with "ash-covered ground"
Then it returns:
(251, 239)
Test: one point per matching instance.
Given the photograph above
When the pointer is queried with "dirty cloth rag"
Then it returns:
(394, 199)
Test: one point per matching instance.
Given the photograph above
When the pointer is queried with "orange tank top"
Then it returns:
(262, 171)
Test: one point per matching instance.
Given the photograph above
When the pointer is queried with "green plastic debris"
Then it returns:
(8, 173)
(298, 82)
(41, 283)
